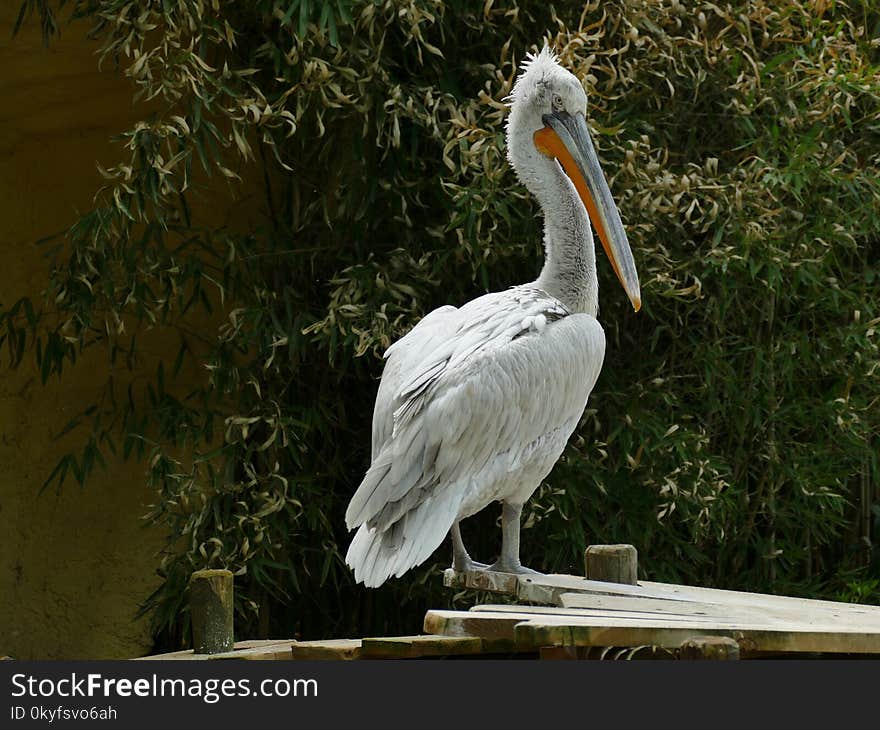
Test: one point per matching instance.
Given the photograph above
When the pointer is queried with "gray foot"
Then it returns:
(467, 565)
(502, 567)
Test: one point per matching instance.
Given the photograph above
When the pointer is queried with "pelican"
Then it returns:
(476, 403)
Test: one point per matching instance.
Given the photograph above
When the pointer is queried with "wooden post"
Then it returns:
(612, 563)
(709, 647)
(210, 608)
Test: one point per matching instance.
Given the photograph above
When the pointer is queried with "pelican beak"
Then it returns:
(567, 139)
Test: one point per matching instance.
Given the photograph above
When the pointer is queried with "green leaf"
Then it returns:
(304, 14)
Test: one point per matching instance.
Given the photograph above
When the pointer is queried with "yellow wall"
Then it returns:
(75, 566)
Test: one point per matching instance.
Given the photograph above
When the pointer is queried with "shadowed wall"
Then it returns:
(75, 565)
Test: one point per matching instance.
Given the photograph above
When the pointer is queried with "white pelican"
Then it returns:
(477, 403)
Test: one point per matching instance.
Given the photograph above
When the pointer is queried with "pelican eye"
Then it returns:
(557, 103)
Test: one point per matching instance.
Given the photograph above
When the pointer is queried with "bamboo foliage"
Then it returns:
(733, 433)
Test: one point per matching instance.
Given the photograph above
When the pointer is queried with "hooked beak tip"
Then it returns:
(637, 303)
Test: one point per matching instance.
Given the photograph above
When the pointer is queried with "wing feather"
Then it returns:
(402, 358)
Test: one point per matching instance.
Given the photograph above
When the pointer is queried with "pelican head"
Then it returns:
(547, 126)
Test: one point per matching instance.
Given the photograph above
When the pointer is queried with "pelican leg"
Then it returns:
(461, 561)
(508, 561)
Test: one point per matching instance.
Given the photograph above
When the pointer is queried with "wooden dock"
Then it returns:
(582, 618)
(569, 617)
(579, 613)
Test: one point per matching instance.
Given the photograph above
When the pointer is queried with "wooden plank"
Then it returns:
(482, 580)
(637, 603)
(528, 613)
(606, 653)
(278, 651)
(560, 590)
(726, 597)
(496, 629)
(613, 632)
(545, 589)
(256, 643)
(411, 647)
(564, 653)
(712, 648)
(752, 620)
(532, 627)
(734, 624)
(185, 655)
(838, 614)
(329, 649)
(254, 649)
(548, 589)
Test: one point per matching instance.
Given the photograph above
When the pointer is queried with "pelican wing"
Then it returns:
(404, 357)
(476, 387)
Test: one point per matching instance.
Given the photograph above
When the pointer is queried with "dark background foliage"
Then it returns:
(732, 436)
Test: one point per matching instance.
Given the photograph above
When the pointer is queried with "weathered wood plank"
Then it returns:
(411, 647)
(726, 597)
(551, 589)
(254, 649)
(563, 589)
(184, 655)
(564, 653)
(838, 614)
(638, 603)
(482, 580)
(715, 648)
(610, 632)
(544, 588)
(329, 649)
(257, 643)
(528, 613)
(534, 627)
(495, 628)
(744, 619)
(269, 652)
(548, 589)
